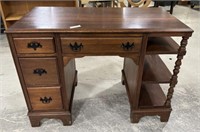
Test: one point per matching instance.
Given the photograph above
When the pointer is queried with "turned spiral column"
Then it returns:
(174, 78)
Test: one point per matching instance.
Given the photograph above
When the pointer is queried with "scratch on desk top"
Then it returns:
(76, 26)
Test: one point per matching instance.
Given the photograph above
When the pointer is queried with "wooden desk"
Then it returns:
(44, 49)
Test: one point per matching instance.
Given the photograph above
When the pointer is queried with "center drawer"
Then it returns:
(39, 71)
(101, 45)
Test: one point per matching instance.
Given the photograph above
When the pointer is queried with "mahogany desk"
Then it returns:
(44, 49)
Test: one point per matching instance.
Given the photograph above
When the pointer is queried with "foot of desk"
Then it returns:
(164, 114)
(36, 117)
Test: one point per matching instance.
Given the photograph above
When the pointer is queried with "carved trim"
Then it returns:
(174, 78)
(144, 3)
(66, 60)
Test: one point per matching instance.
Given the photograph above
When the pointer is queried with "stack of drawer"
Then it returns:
(40, 73)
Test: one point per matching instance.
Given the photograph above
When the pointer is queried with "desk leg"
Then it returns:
(174, 78)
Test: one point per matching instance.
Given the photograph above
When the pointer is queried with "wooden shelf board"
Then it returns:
(161, 45)
(151, 96)
(155, 71)
(14, 17)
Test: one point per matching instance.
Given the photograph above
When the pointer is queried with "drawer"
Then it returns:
(45, 98)
(101, 45)
(34, 45)
(39, 71)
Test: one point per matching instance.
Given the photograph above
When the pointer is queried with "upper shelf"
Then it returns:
(161, 45)
(14, 17)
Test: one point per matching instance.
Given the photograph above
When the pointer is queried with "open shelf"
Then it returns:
(161, 45)
(155, 71)
(151, 96)
(13, 10)
(14, 17)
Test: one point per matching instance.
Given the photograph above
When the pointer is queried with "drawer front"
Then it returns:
(39, 71)
(34, 45)
(101, 45)
(45, 98)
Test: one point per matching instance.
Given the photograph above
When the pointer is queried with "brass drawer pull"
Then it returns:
(45, 100)
(128, 46)
(34, 45)
(76, 47)
(39, 71)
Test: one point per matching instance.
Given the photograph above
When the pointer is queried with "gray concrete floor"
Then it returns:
(100, 102)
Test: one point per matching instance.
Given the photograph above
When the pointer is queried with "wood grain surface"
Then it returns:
(60, 19)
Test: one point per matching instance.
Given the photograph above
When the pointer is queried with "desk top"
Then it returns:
(59, 19)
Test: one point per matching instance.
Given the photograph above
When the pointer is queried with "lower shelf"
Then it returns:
(151, 103)
(151, 96)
